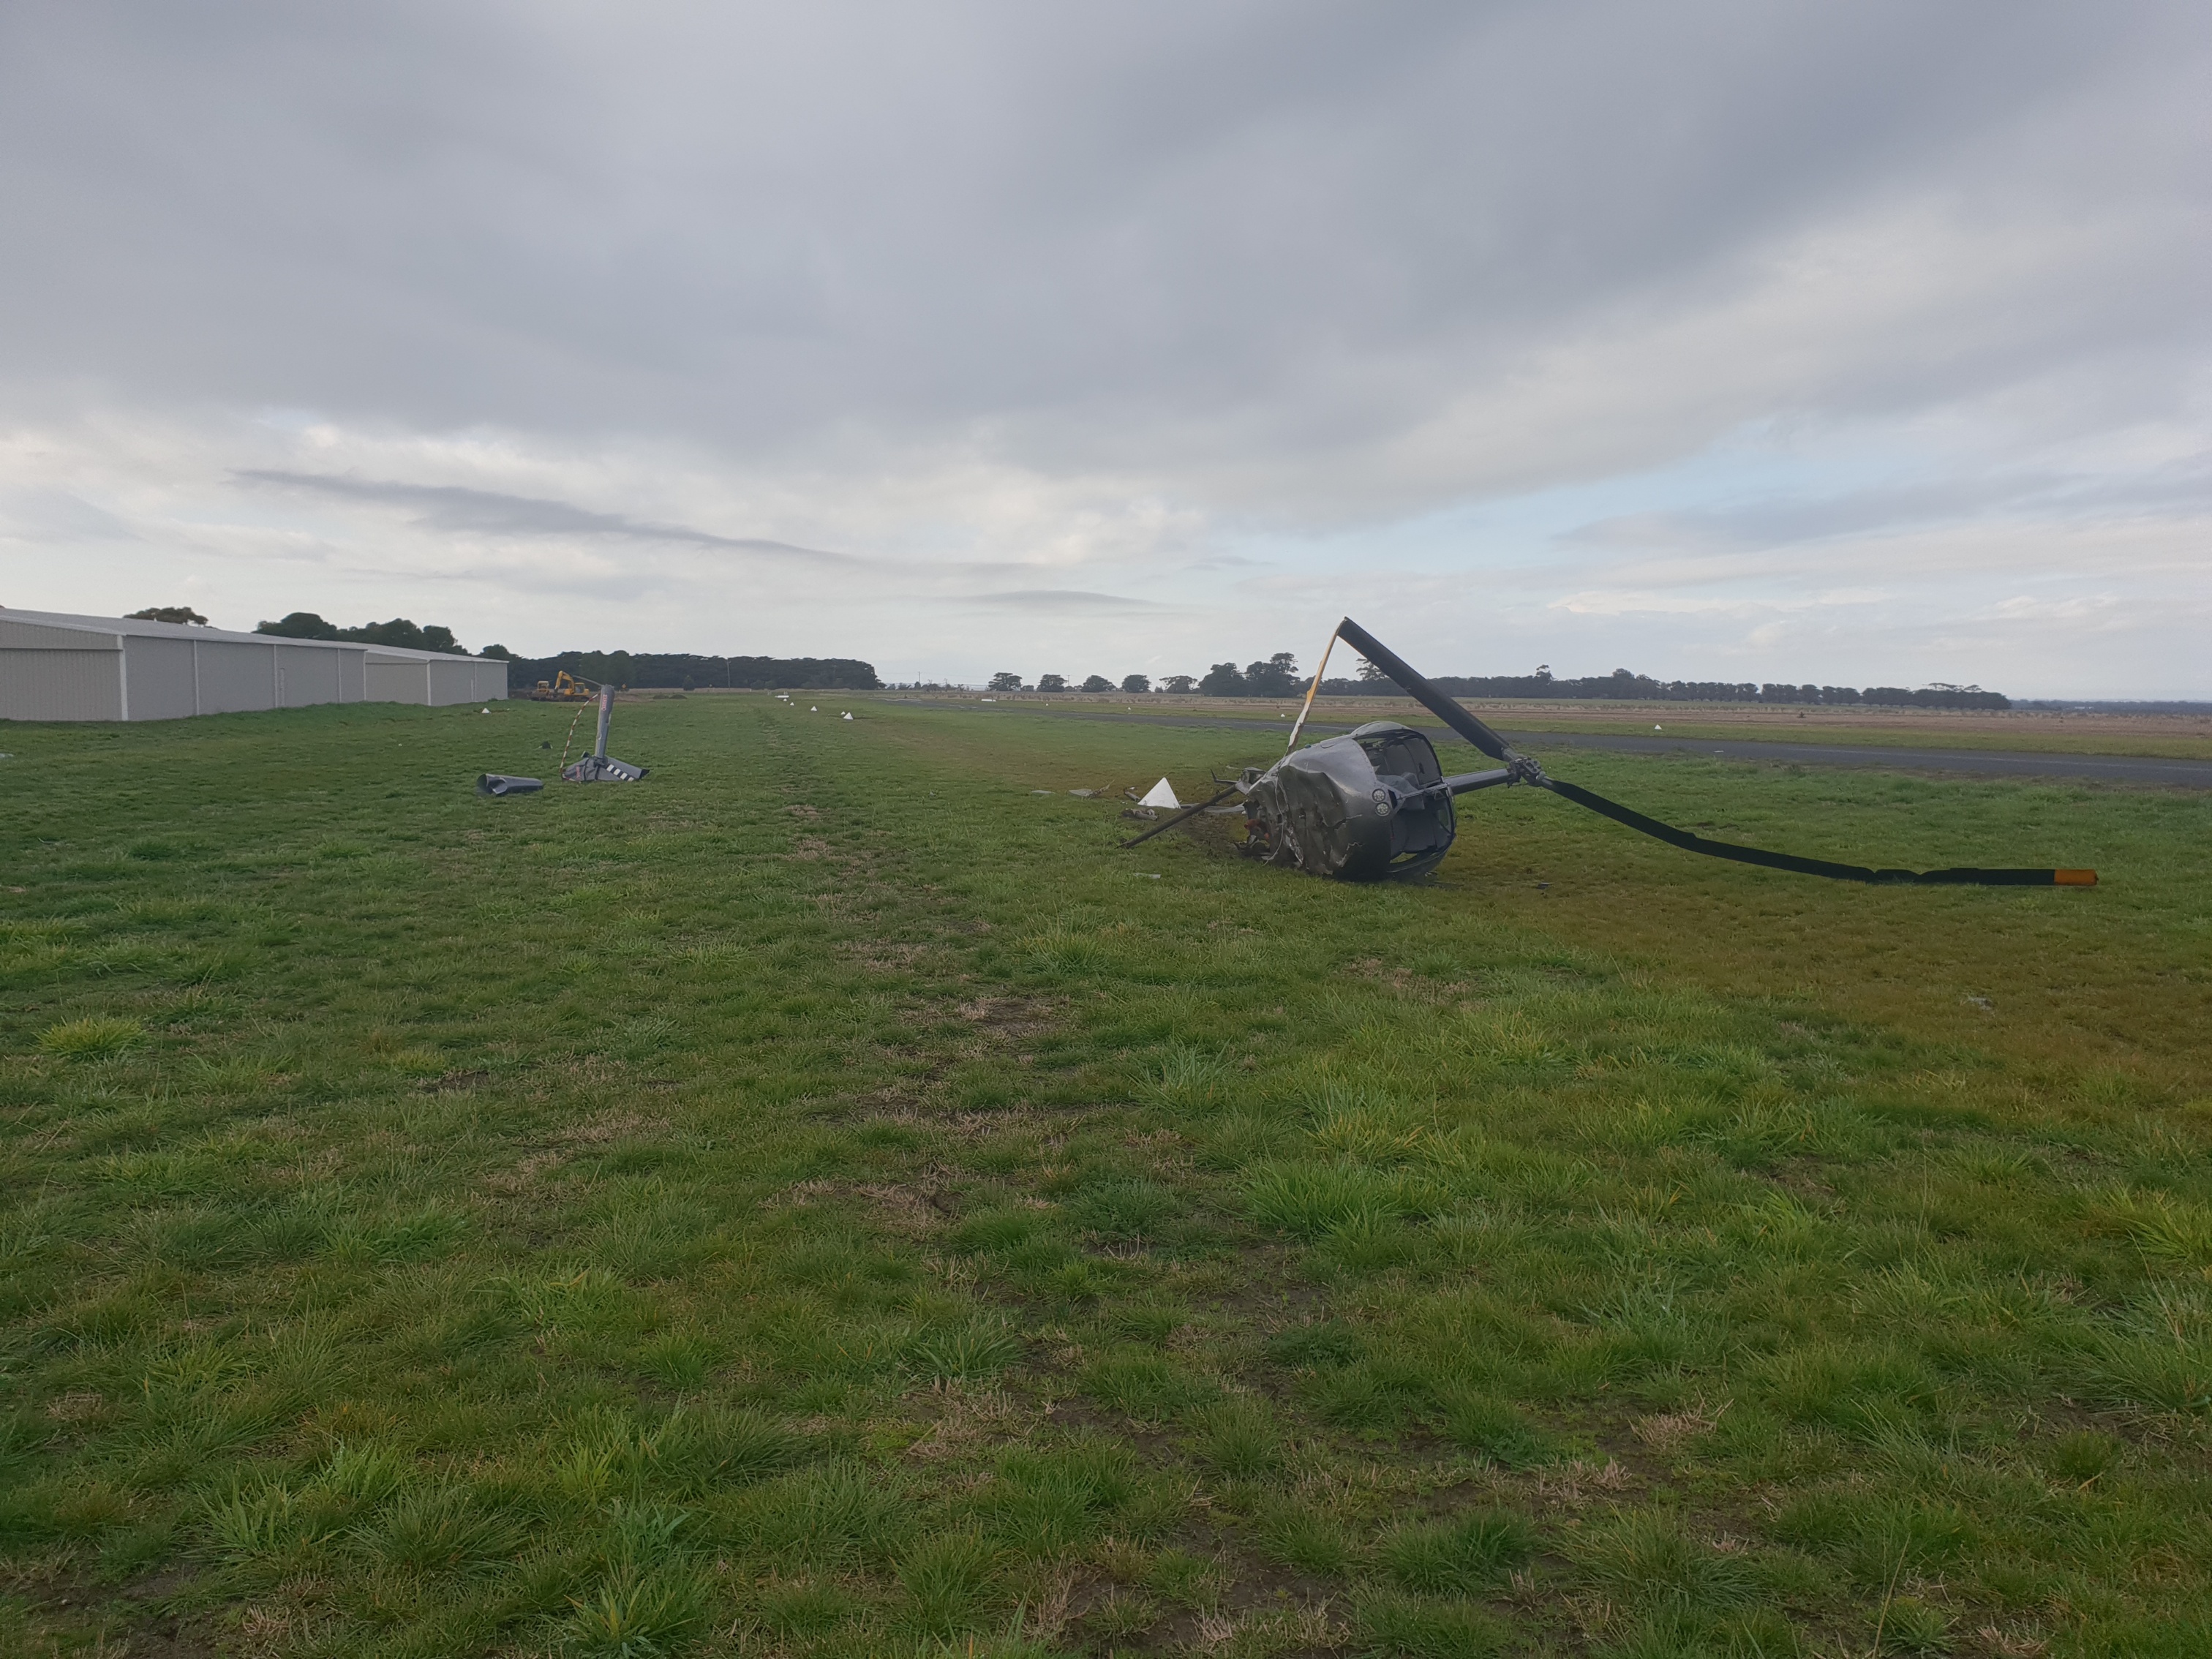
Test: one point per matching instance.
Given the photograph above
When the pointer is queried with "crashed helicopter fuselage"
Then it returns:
(1376, 803)
(1373, 803)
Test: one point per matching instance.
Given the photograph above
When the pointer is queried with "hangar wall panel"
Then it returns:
(61, 685)
(236, 678)
(352, 687)
(157, 680)
(397, 681)
(66, 667)
(465, 680)
(305, 675)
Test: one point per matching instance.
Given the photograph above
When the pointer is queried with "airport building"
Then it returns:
(57, 667)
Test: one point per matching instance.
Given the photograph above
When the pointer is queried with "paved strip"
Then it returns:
(1988, 763)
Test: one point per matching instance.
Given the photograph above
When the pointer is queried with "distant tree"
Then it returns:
(1622, 684)
(298, 625)
(1939, 695)
(1181, 685)
(398, 633)
(1368, 671)
(1222, 680)
(404, 636)
(497, 653)
(1097, 683)
(1278, 677)
(170, 613)
(1052, 682)
(1138, 682)
(1005, 683)
(669, 668)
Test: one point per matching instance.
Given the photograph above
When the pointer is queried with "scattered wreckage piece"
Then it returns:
(498, 783)
(598, 766)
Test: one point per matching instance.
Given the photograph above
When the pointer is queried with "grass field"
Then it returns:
(2028, 731)
(825, 1199)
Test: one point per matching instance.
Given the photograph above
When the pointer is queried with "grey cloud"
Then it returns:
(59, 515)
(1771, 521)
(448, 507)
(1118, 296)
(1765, 521)
(1219, 244)
(1057, 598)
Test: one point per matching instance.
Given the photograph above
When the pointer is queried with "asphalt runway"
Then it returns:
(1986, 763)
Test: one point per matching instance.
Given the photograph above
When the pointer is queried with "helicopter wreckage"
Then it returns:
(597, 767)
(1375, 803)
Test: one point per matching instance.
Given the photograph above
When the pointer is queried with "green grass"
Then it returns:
(2171, 737)
(824, 1201)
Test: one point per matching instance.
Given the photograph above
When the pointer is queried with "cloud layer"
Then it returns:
(1844, 344)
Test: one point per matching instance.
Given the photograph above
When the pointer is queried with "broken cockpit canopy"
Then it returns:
(1373, 802)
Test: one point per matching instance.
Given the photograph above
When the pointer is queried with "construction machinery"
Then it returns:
(564, 687)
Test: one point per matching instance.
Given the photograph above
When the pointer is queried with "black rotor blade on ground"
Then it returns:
(1804, 866)
(1448, 709)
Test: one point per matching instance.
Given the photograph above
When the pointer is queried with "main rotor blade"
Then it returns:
(1312, 690)
(1445, 708)
(1804, 866)
(1522, 770)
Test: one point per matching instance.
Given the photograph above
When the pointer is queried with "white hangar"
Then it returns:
(56, 667)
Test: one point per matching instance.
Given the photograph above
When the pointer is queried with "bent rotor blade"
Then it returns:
(1312, 691)
(1445, 708)
(1523, 770)
(1804, 866)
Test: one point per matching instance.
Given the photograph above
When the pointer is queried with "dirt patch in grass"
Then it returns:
(453, 1082)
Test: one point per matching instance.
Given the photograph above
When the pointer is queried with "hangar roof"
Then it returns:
(140, 628)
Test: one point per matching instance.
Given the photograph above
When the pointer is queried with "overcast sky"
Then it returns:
(1858, 344)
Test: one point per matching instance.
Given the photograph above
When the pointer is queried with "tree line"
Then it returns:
(1278, 677)
(1624, 686)
(1133, 683)
(398, 633)
(306, 625)
(653, 670)
(685, 672)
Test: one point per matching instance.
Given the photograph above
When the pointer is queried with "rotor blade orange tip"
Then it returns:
(2073, 877)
